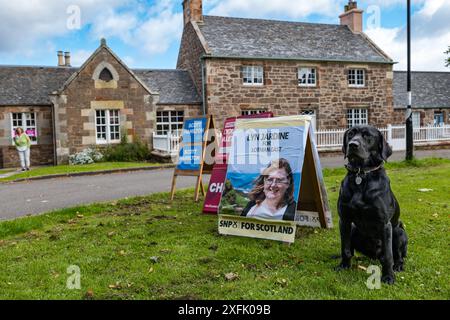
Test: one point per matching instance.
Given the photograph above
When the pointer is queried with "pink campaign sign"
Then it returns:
(219, 173)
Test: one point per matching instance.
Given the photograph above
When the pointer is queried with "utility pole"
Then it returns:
(409, 123)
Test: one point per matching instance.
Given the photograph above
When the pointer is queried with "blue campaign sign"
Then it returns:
(194, 130)
(190, 157)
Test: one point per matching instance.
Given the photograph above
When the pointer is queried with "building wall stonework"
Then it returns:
(41, 153)
(191, 50)
(281, 94)
(76, 107)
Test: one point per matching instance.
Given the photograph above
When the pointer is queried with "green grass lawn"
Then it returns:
(150, 248)
(66, 169)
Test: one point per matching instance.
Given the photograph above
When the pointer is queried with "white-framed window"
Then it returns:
(107, 126)
(356, 77)
(26, 121)
(252, 112)
(416, 119)
(253, 75)
(356, 117)
(438, 118)
(311, 113)
(307, 77)
(169, 122)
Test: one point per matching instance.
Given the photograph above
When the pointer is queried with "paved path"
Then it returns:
(33, 197)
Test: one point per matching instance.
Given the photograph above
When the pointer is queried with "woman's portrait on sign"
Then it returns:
(272, 196)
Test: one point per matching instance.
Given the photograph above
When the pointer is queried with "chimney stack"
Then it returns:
(352, 17)
(192, 11)
(60, 59)
(67, 59)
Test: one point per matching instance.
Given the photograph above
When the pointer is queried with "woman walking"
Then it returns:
(23, 143)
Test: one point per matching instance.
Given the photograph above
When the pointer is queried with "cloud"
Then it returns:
(110, 24)
(161, 29)
(79, 57)
(430, 38)
(34, 21)
(279, 8)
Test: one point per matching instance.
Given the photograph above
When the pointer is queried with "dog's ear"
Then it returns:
(344, 143)
(383, 147)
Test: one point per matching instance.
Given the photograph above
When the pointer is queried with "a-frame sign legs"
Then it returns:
(311, 198)
(174, 183)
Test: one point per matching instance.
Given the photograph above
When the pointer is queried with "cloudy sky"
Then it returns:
(147, 33)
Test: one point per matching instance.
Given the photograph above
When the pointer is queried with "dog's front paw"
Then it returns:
(342, 266)
(388, 279)
(398, 267)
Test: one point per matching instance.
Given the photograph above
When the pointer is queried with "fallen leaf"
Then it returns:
(122, 252)
(110, 234)
(424, 190)
(80, 216)
(231, 276)
(89, 294)
(154, 259)
(282, 282)
(150, 270)
(115, 286)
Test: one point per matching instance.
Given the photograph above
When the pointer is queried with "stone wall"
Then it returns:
(76, 106)
(227, 96)
(42, 153)
(191, 50)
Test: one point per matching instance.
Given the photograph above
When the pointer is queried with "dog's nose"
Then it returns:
(353, 144)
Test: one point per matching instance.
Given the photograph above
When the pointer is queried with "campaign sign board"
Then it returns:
(265, 176)
(217, 180)
(191, 150)
(196, 139)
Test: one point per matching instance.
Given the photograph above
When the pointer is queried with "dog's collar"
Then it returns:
(362, 173)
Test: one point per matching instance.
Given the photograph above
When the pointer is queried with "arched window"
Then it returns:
(106, 75)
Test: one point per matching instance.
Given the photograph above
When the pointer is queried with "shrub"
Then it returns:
(86, 156)
(127, 152)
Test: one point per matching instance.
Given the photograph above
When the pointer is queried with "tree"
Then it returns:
(447, 61)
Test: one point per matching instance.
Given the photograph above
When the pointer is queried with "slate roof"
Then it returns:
(23, 85)
(256, 38)
(429, 89)
(174, 86)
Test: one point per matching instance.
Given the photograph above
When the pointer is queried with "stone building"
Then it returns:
(66, 110)
(226, 67)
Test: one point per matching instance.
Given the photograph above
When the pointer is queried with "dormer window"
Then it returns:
(106, 75)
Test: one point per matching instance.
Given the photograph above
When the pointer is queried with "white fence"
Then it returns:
(330, 140)
(166, 144)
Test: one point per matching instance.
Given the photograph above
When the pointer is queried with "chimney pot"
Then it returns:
(192, 11)
(352, 17)
(67, 59)
(60, 59)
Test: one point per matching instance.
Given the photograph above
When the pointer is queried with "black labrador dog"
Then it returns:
(368, 210)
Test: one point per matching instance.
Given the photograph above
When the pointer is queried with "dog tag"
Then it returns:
(358, 180)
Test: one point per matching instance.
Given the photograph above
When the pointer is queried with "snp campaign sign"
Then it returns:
(217, 180)
(265, 178)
